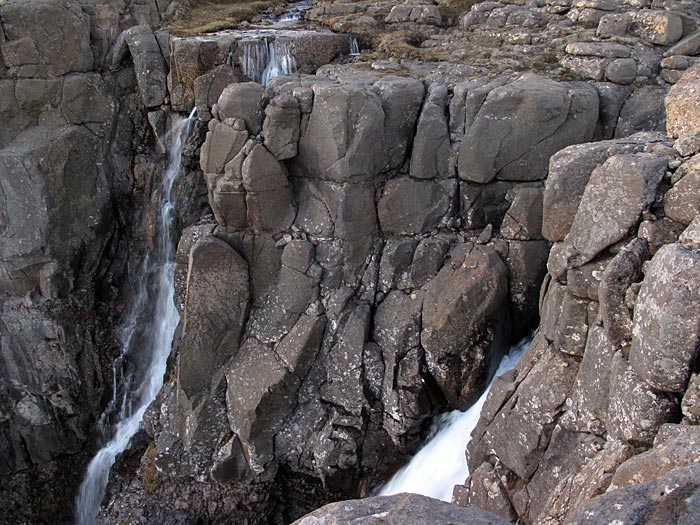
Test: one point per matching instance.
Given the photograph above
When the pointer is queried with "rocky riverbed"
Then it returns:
(360, 240)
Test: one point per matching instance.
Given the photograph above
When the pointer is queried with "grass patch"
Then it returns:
(208, 16)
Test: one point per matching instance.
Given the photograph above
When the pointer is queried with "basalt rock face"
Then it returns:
(70, 177)
(617, 343)
(344, 291)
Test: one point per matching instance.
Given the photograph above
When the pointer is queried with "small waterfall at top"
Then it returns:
(441, 464)
(261, 61)
(354, 47)
(147, 332)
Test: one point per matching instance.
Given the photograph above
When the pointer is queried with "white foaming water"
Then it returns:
(354, 47)
(261, 61)
(161, 318)
(441, 463)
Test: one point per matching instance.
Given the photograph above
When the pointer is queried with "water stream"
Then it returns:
(261, 61)
(441, 463)
(146, 338)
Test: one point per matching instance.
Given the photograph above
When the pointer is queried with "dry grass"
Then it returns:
(207, 16)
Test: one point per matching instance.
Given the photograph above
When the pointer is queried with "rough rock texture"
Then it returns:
(400, 509)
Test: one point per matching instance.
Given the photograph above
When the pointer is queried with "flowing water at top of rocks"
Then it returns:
(372, 204)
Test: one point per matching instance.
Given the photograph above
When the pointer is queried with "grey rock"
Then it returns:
(344, 140)
(401, 101)
(624, 270)
(243, 101)
(222, 144)
(528, 409)
(527, 267)
(649, 502)
(483, 204)
(666, 329)
(690, 405)
(148, 61)
(431, 157)
(612, 97)
(410, 207)
(682, 201)
(514, 111)
(569, 173)
(689, 45)
(404, 509)
(616, 194)
(216, 307)
(621, 71)
(636, 411)
(281, 126)
(465, 321)
(209, 86)
(643, 111)
(523, 220)
(269, 200)
(428, 258)
(30, 51)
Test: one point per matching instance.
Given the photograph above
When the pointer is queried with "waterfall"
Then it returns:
(152, 320)
(354, 47)
(441, 463)
(261, 61)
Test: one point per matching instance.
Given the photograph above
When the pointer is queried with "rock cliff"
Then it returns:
(359, 244)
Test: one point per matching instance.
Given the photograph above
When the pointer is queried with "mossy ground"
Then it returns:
(208, 16)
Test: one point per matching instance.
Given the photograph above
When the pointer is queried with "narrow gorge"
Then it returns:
(255, 257)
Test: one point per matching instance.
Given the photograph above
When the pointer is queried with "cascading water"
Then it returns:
(261, 61)
(354, 47)
(441, 464)
(154, 316)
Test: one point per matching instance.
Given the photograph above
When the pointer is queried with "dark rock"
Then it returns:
(465, 323)
(410, 207)
(431, 157)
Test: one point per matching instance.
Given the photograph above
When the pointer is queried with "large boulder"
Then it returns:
(521, 125)
(465, 321)
(410, 206)
(149, 65)
(616, 195)
(402, 509)
(344, 139)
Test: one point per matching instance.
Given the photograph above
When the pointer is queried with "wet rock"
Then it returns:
(527, 267)
(431, 157)
(410, 207)
(616, 194)
(666, 329)
(428, 258)
(396, 263)
(560, 115)
(404, 509)
(465, 321)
